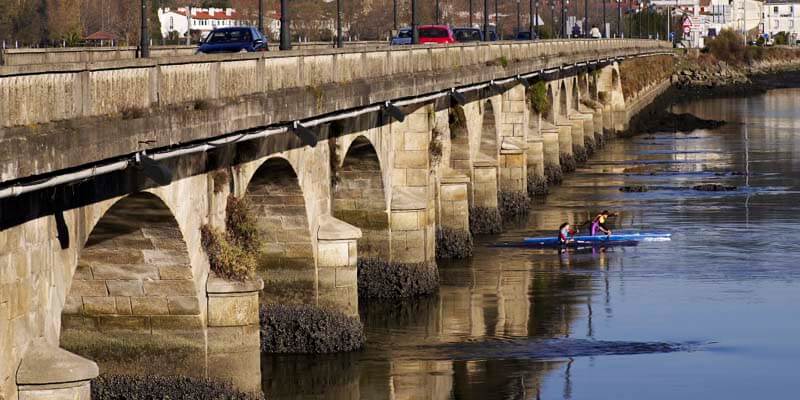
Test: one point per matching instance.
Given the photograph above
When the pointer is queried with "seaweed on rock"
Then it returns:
(567, 162)
(453, 243)
(553, 173)
(306, 329)
(485, 221)
(537, 184)
(390, 280)
(579, 154)
(124, 387)
(514, 204)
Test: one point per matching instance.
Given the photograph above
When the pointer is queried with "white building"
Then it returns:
(781, 16)
(198, 20)
(738, 15)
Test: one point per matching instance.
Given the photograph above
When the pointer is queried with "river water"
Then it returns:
(713, 313)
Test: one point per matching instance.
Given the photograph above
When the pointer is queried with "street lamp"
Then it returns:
(414, 23)
(470, 13)
(556, 31)
(519, 20)
(604, 19)
(286, 39)
(620, 32)
(585, 18)
(339, 36)
(564, 7)
(535, 18)
(436, 14)
(394, 13)
(531, 24)
(497, 21)
(486, 20)
(144, 39)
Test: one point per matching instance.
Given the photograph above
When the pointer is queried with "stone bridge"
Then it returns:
(386, 156)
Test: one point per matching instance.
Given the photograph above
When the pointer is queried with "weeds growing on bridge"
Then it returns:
(232, 254)
(537, 95)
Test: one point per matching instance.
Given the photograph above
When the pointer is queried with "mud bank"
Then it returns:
(389, 280)
(305, 329)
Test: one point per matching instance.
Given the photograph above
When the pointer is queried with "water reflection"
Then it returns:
(517, 323)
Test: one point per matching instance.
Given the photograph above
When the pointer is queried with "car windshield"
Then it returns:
(230, 36)
(433, 32)
(467, 35)
(404, 34)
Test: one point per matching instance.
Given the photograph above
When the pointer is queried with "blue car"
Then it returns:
(233, 40)
(403, 37)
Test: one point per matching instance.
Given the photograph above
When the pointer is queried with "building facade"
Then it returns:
(781, 16)
(199, 21)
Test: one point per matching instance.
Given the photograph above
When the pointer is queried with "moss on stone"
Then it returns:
(306, 329)
(567, 162)
(453, 243)
(514, 204)
(122, 387)
(599, 141)
(389, 280)
(485, 221)
(537, 184)
(553, 173)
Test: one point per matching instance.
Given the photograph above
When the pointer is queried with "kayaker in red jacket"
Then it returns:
(565, 233)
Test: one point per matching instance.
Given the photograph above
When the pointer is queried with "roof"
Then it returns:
(100, 35)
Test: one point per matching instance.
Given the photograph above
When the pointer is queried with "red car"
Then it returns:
(436, 34)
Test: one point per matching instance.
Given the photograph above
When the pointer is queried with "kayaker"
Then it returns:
(565, 233)
(599, 223)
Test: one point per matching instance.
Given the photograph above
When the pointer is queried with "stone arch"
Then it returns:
(575, 99)
(286, 261)
(360, 200)
(134, 273)
(459, 140)
(551, 115)
(615, 83)
(488, 146)
(563, 101)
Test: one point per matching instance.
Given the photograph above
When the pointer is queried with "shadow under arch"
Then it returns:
(488, 146)
(286, 259)
(551, 113)
(360, 200)
(563, 110)
(459, 141)
(132, 300)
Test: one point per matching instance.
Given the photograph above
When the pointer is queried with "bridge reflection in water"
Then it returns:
(476, 339)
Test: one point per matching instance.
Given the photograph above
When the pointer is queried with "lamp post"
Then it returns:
(620, 32)
(604, 19)
(497, 21)
(535, 18)
(261, 16)
(414, 23)
(531, 24)
(564, 7)
(556, 32)
(436, 13)
(394, 13)
(519, 20)
(486, 20)
(144, 36)
(286, 39)
(585, 18)
(470, 13)
(339, 36)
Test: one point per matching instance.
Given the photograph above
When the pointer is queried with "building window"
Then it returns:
(791, 24)
(775, 9)
(777, 23)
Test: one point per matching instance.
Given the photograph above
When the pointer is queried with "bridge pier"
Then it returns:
(48, 372)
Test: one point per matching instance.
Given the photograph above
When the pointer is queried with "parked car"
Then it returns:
(436, 34)
(525, 35)
(233, 40)
(468, 34)
(403, 37)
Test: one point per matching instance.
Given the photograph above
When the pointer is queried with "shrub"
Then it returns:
(232, 254)
(537, 95)
(121, 387)
(435, 147)
(227, 259)
(304, 329)
(728, 46)
(241, 224)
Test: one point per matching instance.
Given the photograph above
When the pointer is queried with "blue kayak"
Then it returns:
(628, 237)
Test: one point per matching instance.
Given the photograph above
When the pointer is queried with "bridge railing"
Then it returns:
(37, 94)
